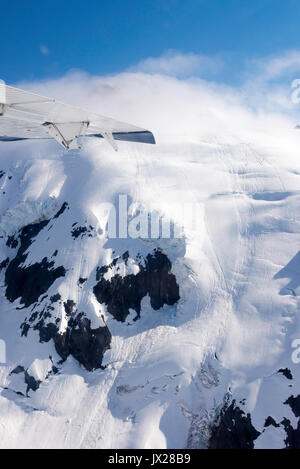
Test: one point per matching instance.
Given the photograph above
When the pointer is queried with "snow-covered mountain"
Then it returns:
(153, 342)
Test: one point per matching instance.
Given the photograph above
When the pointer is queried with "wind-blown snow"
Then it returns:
(168, 374)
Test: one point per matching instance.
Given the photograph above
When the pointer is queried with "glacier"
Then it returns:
(202, 357)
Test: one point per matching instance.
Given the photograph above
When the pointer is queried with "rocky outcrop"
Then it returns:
(32, 383)
(294, 403)
(292, 440)
(120, 294)
(233, 430)
(85, 344)
(29, 283)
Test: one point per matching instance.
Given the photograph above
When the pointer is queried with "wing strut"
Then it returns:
(67, 134)
(108, 136)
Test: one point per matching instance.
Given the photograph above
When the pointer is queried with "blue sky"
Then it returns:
(47, 39)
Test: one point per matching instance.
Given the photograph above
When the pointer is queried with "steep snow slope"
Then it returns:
(218, 306)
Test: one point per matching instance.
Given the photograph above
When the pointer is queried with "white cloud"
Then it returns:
(177, 64)
(44, 50)
(180, 109)
(268, 81)
(265, 83)
(275, 67)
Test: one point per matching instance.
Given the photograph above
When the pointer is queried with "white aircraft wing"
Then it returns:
(25, 115)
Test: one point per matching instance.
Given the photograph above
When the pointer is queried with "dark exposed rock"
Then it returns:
(43, 298)
(233, 430)
(28, 283)
(87, 345)
(78, 231)
(17, 370)
(123, 293)
(125, 257)
(81, 231)
(2, 174)
(55, 298)
(294, 403)
(286, 372)
(292, 440)
(270, 421)
(24, 329)
(31, 382)
(82, 280)
(4, 264)
(69, 306)
(42, 315)
(64, 206)
(54, 370)
(12, 242)
(47, 332)
(100, 271)
(33, 316)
